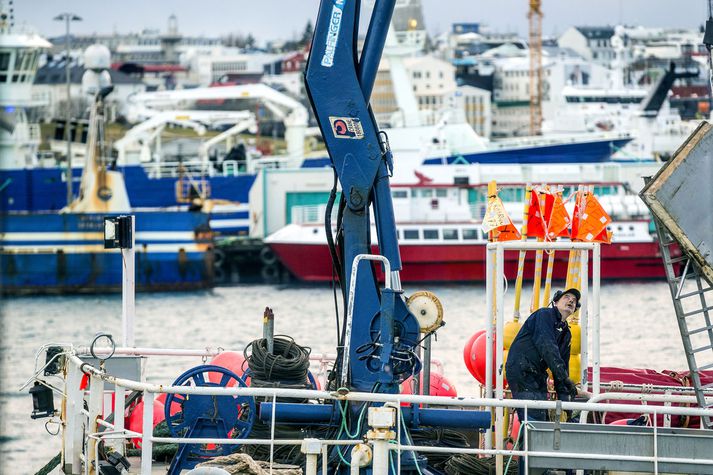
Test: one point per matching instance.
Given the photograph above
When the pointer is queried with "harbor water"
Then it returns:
(638, 330)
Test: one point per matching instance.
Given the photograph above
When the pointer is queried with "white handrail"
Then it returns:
(350, 304)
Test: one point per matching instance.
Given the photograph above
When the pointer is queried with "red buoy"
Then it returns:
(135, 420)
(440, 386)
(621, 422)
(468, 349)
(175, 406)
(515, 426)
(478, 357)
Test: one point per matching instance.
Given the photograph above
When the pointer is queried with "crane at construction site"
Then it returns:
(534, 16)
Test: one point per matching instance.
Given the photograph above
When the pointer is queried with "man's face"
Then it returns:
(567, 304)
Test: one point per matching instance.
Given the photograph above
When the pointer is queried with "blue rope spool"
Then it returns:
(202, 416)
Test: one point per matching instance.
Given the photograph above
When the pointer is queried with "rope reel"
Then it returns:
(204, 416)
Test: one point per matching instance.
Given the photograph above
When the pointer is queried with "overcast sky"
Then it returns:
(285, 19)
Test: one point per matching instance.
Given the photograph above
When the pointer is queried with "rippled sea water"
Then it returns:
(638, 330)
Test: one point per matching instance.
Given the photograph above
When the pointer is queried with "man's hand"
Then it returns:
(571, 389)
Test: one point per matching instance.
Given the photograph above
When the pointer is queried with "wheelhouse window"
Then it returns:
(399, 194)
(450, 234)
(430, 234)
(470, 234)
(410, 233)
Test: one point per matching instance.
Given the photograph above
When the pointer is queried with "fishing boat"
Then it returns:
(64, 253)
(439, 228)
(62, 250)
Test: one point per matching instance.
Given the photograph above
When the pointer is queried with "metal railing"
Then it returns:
(84, 429)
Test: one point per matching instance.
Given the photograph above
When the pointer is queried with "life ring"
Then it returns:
(218, 274)
(270, 273)
(267, 257)
(218, 257)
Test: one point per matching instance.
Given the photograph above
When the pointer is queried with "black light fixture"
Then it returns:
(117, 232)
(114, 464)
(54, 360)
(42, 401)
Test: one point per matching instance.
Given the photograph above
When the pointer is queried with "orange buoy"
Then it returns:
(232, 360)
(136, 419)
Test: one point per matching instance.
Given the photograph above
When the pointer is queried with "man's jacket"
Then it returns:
(542, 342)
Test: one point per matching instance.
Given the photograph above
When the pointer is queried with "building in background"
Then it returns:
(593, 43)
(50, 89)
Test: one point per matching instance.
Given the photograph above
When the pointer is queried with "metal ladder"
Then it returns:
(688, 291)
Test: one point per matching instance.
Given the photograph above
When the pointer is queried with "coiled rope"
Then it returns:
(286, 366)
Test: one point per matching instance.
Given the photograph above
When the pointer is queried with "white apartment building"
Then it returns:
(431, 82)
(476, 105)
(511, 91)
(593, 43)
(209, 67)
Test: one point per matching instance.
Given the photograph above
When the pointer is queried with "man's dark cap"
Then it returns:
(558, 295)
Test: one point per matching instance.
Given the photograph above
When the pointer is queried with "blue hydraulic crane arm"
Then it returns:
(340, 106)
(368, 68)
(383, 332)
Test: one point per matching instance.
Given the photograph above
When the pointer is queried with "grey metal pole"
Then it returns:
(68, 111)
(68, 17)
(427, 366)
(128, 289)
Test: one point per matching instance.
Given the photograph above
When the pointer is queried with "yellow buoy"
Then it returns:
(576, 330)
(510, 331)
(575, 368)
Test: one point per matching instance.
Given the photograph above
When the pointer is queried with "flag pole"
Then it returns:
(521, 256)
(537, 278)
(550, 258)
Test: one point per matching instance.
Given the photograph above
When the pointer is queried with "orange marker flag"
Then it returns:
(497, 221)
(604, 237)
(559, 219)
(536, 224)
